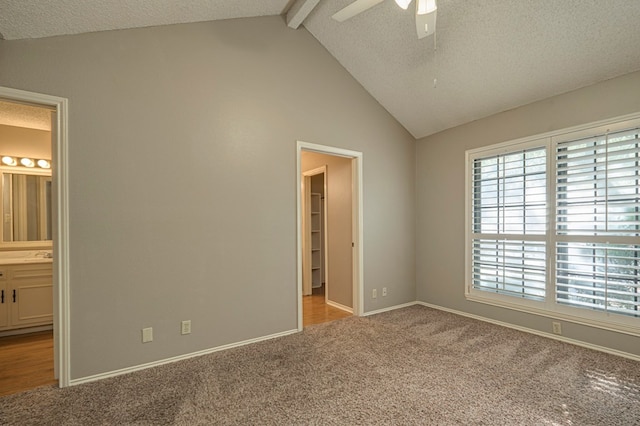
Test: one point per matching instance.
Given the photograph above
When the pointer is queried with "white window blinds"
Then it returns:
(553, 224)
(598, 222)
(509, 223)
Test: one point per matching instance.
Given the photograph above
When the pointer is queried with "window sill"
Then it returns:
(563, 313)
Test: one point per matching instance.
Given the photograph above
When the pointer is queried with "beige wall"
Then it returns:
(19, 141)
(339, 223)
(317, 182)
(173, 133)
(441, 189)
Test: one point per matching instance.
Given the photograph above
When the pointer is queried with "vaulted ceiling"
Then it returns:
(491, 56)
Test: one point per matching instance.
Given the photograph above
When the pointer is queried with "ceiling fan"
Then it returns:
(425, 13)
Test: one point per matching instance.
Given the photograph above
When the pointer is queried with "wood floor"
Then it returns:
(316, 311)
(26, 362)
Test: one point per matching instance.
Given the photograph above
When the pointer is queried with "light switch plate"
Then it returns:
(147, 335)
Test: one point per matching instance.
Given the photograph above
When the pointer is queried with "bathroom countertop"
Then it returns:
(23, 261)
(25, 257)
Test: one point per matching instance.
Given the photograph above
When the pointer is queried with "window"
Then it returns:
(509, 212)
(598, 223)
(554, 225)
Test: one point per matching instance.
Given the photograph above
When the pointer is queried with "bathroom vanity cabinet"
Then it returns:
(26, 295)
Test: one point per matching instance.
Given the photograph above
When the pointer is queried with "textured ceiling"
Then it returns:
(44, 18)
(493, 55)
(19, 115)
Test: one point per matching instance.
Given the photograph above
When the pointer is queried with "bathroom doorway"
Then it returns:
(26, 305)
(329, 234)
(33, 240)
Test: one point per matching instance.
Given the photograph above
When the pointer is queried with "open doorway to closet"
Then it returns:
(329, 234)
(318, 306)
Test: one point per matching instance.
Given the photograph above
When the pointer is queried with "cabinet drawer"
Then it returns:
(31, 271)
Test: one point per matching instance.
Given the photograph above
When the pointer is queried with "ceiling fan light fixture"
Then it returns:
(425, 23)
(403, 3)
(426, 6)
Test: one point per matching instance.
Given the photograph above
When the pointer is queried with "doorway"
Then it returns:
(329, 233)
(314, 225)
(317, 306)
(26, 305)
(55, 340)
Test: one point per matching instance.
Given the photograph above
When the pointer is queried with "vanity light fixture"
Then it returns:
(27, 162)
(8, 160)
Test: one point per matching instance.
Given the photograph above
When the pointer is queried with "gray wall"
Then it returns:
(173, 133)
(441, 189)
(339, 223)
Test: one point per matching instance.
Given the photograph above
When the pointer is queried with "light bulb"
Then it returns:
(426, 6)
(44, 164)
(9, 161)
(27, 162)
(403, 3)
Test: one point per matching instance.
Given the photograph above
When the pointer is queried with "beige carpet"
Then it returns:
(411, 366)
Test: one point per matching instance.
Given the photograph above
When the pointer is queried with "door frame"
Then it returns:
(357, 221)
(60, 221)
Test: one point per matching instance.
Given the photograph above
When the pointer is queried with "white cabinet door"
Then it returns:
(33, 303)
(30, 295)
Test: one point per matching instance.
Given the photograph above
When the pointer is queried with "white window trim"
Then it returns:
(548, 307)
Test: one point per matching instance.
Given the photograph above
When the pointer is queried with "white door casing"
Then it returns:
(60, 222)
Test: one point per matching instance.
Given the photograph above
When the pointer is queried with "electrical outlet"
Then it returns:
(557, 327)
(374, 293)
(147, 335)
(186, 327)
(384, 291)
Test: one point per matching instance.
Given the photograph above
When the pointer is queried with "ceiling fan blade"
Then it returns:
(354, 8)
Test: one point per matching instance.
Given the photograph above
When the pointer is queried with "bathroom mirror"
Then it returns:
(26, 207)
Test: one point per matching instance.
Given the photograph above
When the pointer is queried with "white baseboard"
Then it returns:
(536, 332)
(378, 311)
(127, 370)
(25, 330)
(339, 306)
(390, 308)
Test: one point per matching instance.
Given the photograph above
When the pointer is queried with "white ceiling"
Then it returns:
(45, 18)
(19, 115)
(492, 55)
